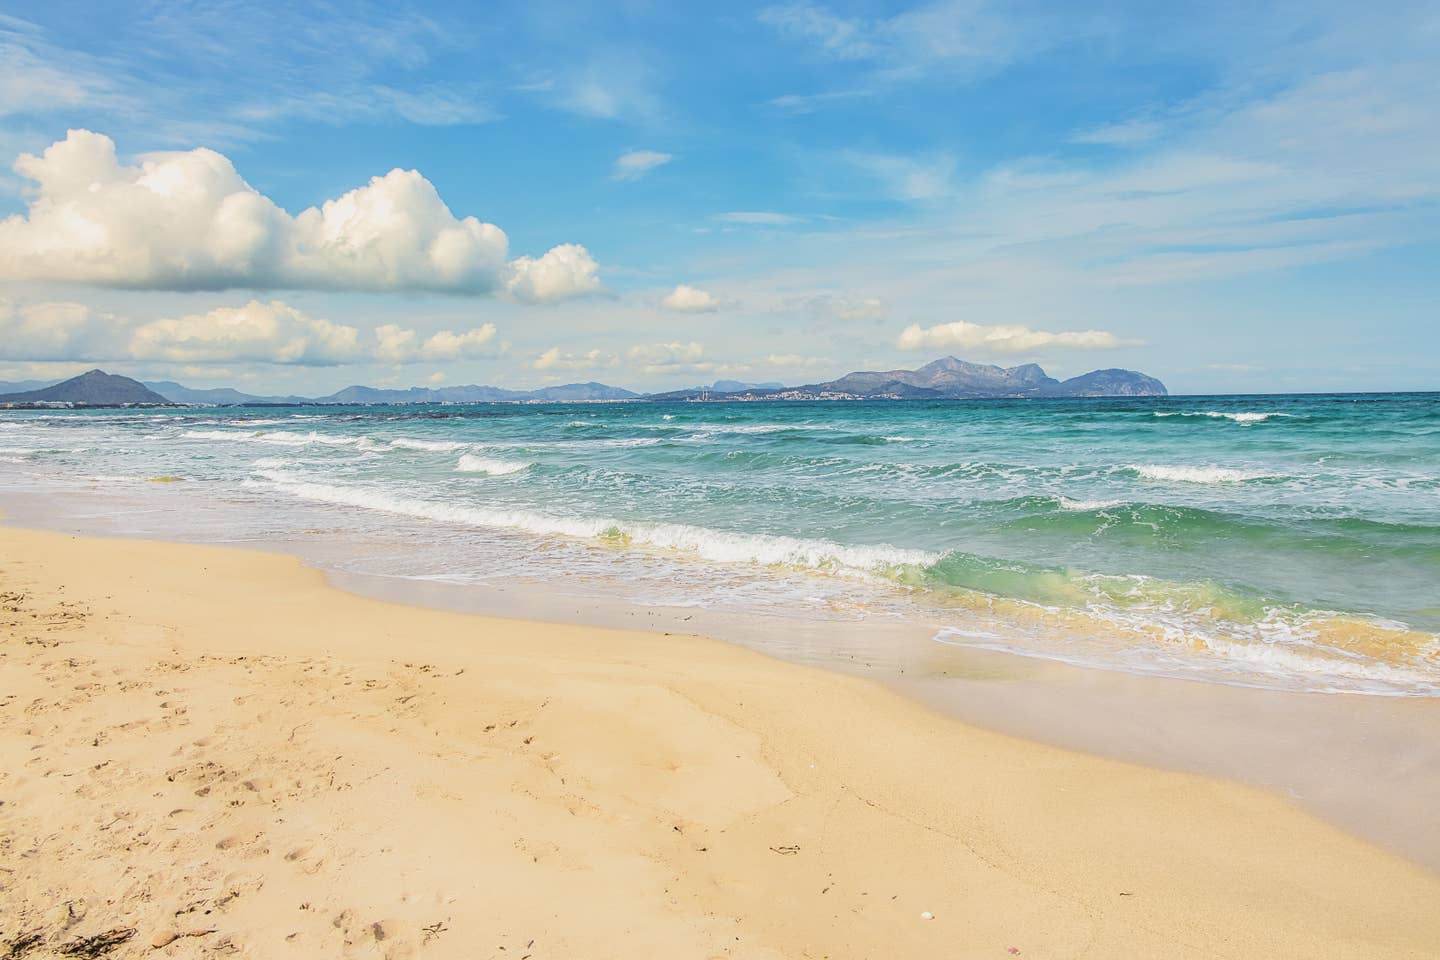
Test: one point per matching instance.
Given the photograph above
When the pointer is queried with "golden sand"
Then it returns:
(210, 751)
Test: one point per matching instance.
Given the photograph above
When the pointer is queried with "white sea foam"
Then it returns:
(215, 435)
(439, 446)
(272, 463)
(1066, 503)
(1261, 665)
(708, 544)
(495, 468)
(1242, 417)
(766, 427)
(1194, 474)
(280, 438)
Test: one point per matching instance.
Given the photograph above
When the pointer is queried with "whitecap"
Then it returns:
(1173, 474)
(494, 467)
(439, 446)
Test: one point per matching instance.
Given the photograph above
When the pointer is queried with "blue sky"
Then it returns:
(1229, 198)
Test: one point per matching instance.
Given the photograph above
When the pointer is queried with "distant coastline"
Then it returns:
(948, 378)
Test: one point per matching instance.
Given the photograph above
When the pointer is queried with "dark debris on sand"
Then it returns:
(98, 945)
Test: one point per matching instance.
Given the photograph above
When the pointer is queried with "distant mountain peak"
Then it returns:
(93, 388)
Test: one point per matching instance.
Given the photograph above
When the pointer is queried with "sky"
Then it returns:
(292, 198)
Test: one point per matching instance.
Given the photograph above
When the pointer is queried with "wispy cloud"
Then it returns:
(1003, 339)
(960, 38)
(635, 164)
(908, 178)
(555, 359)
(169, 70)
(763, 218)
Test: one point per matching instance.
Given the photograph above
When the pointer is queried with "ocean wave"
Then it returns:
(215, 435)
(1086, 506)
(275, 437)
(1180, 474)
(702, 542)
(763, 428)
(495, 468)
(438, 446)
(1241, 417)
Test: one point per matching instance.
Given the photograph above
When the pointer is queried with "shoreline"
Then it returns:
(1364, 763)
(202, 729)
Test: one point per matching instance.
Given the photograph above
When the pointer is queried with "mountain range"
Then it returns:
(945, 379)
(950, 378)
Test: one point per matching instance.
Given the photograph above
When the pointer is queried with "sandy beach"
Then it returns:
(210, 750)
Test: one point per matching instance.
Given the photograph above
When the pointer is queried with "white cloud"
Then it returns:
(793, 360)
(565, 271)
(634, 164)
(840, 37)
(614, 84)
(964, 37)
(553, 359)
(396, 344)
(843, 307)
(48, 331)
(34, 80)
(187, 220)
(909, 178)
(767, 218)
(273, 332)
(270, 332)
(1126, 133)
(1004, 339)
(688, 299)
(661, 357)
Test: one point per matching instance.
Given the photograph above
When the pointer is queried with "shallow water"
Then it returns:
(1287, 542)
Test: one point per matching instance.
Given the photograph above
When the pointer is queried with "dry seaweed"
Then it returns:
(98, 945)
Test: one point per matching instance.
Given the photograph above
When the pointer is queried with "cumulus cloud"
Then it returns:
(566, 271)
(634, 164)
(396, 344)
(273, 332)
(270, 332)
(688, 299)
(1002, 338)
(187, 220)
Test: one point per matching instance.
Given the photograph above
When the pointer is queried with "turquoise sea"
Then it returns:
(1285, 541)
